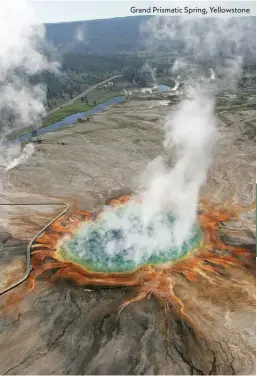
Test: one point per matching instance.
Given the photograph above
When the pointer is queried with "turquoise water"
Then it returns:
(102, 247)
(163, 88)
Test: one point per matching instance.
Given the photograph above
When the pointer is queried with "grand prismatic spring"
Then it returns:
(75, 248)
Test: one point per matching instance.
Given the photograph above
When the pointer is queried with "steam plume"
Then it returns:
(27, 151)
(212, 73)
(176, 84)
(79, 34)
(146, 68)
(190, 134)
(23, 54)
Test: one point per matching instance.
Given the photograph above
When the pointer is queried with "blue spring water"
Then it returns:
(89, 246)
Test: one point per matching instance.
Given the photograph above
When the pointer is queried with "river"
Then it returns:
(71, 119)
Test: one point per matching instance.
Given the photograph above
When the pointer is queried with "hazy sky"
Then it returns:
(66, 10)
(58, 11)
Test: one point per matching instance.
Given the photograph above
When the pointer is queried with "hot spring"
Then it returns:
(120, 241)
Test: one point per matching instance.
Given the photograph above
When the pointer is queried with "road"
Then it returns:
(26, 272)
(81, 95)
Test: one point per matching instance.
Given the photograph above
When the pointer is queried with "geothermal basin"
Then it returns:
(119, 241)
(74, 328)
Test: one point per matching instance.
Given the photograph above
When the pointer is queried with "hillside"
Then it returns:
(119, 36)
(107, 36)
(91, 51)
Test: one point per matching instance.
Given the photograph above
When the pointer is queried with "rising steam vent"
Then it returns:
(118, 241)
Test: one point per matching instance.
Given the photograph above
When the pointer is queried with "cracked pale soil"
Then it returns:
(62, 329)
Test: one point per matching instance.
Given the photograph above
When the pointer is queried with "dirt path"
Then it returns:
(81, 95)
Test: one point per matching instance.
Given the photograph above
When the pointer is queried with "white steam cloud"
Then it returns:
(212, 73)
(79, 34)
(191, 131)
(26, 152)
(23, 54)
(176, 84)
(190, 134)
(146, 68)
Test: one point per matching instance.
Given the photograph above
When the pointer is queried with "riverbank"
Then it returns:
(26, 134)
(94, 98)
(70, 120)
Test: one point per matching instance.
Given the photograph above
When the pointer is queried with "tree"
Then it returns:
(141, 79)
(82, 99)
(129, 75)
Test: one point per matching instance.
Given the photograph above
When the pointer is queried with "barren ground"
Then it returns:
(62, 329)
